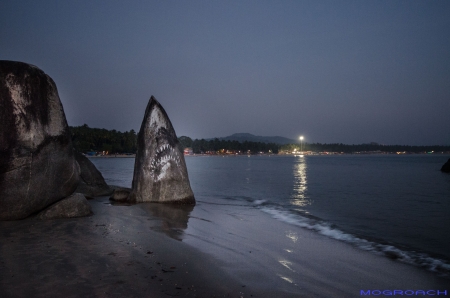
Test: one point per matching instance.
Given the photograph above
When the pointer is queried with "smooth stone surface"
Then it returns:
(446, 167)
(120, 194)
(74, 206)
(160, 173)
(92, 183)
(37, 164)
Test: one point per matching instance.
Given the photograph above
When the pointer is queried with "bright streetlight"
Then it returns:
(301, 143)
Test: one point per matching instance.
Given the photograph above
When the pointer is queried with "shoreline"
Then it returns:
(281, 155)
(113, 253)
(112, 156)
(272, 254)
(164, 250)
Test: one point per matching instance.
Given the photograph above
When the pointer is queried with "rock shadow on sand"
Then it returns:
(174, 218)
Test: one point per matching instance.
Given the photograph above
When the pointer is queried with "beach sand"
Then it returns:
(113, 253)
(210, 250)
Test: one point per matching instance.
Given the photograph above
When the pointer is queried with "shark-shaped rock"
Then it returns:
(160, 173)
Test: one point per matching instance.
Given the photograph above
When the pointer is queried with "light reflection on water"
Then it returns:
(292, 235)
(300, 183)
(286, 264)
(289, 280)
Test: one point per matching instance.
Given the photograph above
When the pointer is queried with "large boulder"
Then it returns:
(92, 183)
(37, 164)
(75, 205)
(446, 167)
(160, 173)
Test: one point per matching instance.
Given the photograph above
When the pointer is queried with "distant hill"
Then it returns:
(242, 137)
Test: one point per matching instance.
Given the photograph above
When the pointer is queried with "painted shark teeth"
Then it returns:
(164, 154)
(163, 148)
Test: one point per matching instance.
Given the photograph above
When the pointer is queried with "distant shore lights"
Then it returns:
(301, 144)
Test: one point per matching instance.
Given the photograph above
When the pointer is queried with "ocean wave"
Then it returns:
(259, 202)
(324, 228)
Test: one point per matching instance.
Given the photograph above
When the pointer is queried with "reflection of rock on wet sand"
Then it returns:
(174, 218)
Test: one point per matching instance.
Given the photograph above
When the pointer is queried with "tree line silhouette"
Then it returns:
(87, 139)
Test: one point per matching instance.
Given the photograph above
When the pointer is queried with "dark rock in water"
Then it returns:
(37, 164)
(160, 173)
(446, 167)
(74, 206)
(120, 194)
(92, 183)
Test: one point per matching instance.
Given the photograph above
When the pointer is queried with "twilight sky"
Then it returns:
(334, 71)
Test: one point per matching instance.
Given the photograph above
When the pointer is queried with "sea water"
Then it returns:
(395, 206)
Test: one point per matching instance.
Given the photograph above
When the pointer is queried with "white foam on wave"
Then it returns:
(324, 228)
(259, 202)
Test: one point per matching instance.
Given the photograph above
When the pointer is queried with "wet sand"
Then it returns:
(212, 251)
(268, 254)
(113, 253)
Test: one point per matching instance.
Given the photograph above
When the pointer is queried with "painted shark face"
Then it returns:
(166, 157)
(166, 153)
